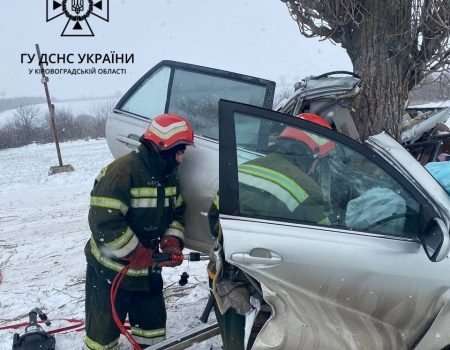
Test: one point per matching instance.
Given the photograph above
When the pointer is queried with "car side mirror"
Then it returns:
(436, 240)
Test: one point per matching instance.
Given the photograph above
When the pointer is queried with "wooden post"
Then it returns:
(51, 107)
(51, 110)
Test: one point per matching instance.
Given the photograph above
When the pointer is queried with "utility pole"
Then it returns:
(51, 110)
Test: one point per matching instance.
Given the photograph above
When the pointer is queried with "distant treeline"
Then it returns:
(16, 102)
(433, 88)
(31, 125)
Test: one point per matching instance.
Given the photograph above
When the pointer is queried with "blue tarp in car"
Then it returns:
(441, 172)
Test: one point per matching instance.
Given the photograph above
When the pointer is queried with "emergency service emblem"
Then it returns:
(77, 13)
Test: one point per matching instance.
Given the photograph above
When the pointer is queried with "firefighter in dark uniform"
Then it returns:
(136, 209)
(276, 185)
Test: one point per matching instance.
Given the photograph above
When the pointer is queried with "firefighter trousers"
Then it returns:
(146, 313)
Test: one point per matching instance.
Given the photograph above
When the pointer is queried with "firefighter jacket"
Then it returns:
(132, 201)
(273, 187)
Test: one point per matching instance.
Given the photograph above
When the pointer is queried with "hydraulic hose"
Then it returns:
(114, 289)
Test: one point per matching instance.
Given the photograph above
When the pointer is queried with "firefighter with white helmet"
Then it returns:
(136, 209)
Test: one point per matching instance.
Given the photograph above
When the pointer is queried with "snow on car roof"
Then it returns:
(437, 104)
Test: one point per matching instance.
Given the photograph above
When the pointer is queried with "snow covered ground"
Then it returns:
(43, 230)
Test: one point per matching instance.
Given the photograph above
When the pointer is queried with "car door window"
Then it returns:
(149, 100)
(196, 97)
(302, 176)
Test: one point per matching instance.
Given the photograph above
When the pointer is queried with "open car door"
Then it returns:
(192, 91)
(340, 257)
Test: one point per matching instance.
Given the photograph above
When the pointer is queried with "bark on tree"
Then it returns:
(374, 52)
(392, 45)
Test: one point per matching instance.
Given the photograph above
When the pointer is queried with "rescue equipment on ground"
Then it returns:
(34, 337)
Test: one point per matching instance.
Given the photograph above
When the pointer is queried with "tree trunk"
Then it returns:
(381, 57)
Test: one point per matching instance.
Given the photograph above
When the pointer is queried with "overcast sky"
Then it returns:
(255, 37)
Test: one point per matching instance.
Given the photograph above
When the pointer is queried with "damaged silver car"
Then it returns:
(374, 275)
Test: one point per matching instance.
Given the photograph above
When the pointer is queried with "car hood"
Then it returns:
(389, 149)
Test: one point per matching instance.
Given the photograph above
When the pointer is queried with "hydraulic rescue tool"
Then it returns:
(34, 337)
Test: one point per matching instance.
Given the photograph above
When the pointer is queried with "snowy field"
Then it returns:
(43, 230)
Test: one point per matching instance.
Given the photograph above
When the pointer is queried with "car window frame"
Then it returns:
(174, 65)
(228, 189)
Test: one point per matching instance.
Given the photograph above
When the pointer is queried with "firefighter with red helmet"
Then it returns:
(136, 209)
(281, 184)
(277, 185)
(318, 145)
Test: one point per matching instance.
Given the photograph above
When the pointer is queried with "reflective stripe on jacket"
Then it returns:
(272, 186)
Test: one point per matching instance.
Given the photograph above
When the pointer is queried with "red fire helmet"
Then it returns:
(169, 130)
(319, 145)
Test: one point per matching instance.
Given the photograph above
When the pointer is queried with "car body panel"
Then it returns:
(329, 294)
(331, 287)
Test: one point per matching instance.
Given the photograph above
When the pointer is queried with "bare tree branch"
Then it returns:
(392, 44)
(326, 19)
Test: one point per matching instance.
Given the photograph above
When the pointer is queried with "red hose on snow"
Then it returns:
(76, 325)
(114, 289)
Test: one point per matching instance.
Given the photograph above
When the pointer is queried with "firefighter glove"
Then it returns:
(141, 257)
(171, 245)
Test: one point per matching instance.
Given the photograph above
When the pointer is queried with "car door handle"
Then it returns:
(132, 141)
(268, 258)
